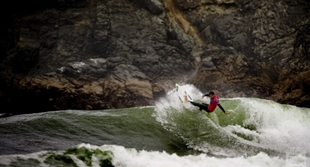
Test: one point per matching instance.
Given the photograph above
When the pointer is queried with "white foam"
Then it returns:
(128, 157)
(277, 127)
(280, 127)
(163, 106)
(241, 130)
(132, 158)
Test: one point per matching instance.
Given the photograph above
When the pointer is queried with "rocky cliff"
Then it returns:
(99, 54)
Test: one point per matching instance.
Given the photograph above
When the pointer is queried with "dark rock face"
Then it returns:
(98, 54)
(250, 45)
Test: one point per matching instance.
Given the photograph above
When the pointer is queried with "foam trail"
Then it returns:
(279, 127)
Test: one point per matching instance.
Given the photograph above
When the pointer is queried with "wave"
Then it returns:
(257, 132)
(254, 125)
(84, 155)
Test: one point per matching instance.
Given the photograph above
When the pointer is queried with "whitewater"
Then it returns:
(257, 132)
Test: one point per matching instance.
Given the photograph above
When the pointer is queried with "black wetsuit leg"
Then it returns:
(201, 106)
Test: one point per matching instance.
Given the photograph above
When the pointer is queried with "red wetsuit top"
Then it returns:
(213, 103)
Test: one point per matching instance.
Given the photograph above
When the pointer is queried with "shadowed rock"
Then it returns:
(90, 54)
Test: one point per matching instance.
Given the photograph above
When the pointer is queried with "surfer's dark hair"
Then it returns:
(210, 93)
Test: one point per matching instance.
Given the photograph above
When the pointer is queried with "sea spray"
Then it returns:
(254, 125)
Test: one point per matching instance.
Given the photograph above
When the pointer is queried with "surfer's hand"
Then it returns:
(202, 96)
(227, 112)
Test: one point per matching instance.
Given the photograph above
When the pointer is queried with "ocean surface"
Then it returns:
(256, 133)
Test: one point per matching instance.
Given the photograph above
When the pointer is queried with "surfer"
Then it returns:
(214, 102)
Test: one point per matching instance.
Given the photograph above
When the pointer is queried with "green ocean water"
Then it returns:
(257, 132)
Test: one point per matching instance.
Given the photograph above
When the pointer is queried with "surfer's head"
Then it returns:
(210, 94)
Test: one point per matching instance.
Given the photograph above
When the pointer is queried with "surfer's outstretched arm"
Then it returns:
(223, 109)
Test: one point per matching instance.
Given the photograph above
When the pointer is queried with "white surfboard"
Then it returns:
(182, 94)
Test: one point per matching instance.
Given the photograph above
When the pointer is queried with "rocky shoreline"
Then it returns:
(99, 54)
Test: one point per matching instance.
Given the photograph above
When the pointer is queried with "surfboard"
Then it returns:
(182, 94)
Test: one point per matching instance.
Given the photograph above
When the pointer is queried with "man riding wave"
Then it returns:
(214, 102)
